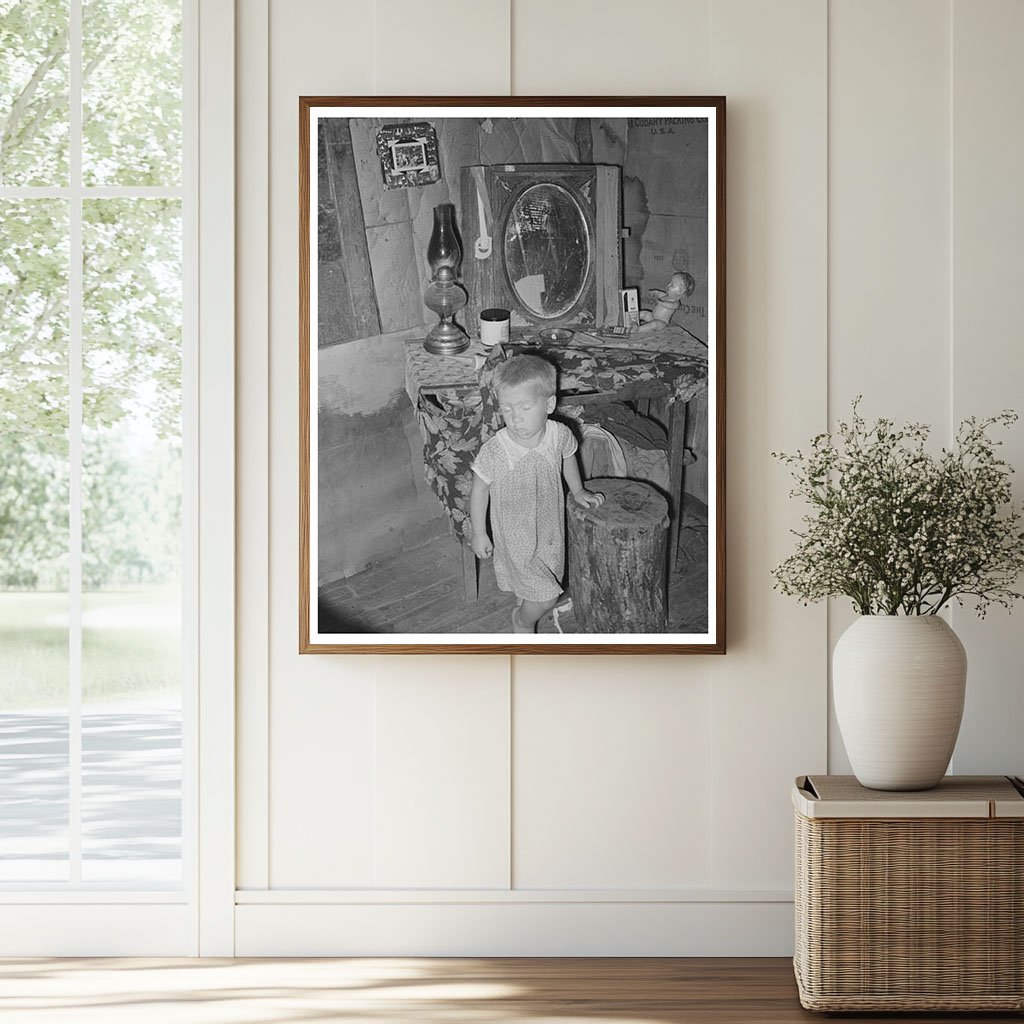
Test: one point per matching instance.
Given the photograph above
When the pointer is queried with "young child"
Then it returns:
(519, 471)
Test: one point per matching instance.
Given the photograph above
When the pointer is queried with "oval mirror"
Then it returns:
(547, 250)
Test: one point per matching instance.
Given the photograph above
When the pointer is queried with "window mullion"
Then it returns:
(75, 334)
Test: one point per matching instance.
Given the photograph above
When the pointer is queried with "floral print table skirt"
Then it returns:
(456, 419)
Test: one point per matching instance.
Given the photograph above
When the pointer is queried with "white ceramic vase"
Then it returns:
(898, 685)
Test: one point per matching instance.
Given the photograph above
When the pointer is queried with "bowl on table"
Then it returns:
(554, 335)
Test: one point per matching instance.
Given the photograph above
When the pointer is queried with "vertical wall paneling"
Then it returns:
(252, 462)
(323, 761)
(649, 797)
(579, 47)
(602, 777)
(987, 367)
(321, 709)
(889, 220)
(442, 48)
(611, 783)
(888, 223)
(769, 693)
(442, 776)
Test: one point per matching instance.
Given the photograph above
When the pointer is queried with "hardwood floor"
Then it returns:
(422, 591)
(407, 990)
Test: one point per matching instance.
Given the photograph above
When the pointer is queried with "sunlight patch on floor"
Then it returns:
(278, 991)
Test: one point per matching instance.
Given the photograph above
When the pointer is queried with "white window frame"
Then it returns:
(216, 392)
(51, 919)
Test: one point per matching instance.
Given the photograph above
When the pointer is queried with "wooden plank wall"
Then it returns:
(398, 223)
(345, 292)
(389, 273)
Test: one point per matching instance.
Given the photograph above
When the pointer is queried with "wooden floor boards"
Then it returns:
(422, 591)
(416, 991)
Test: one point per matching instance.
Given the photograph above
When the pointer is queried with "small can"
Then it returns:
(494, 326)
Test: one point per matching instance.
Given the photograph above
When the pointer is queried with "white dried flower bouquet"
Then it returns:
(897, 529)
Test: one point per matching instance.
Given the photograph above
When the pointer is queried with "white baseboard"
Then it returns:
(514, 928)
(98, 928)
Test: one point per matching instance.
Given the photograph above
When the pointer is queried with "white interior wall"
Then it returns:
(986, 359)
(544, 805)
(889, 245)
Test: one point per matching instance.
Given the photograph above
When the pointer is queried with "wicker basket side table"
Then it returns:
(910, 901)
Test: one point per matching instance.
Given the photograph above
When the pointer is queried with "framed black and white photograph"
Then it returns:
(512, 386)
(408, 156)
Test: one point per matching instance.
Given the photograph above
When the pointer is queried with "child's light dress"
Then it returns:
(527, 510)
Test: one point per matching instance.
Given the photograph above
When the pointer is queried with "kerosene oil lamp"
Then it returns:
(444, 295)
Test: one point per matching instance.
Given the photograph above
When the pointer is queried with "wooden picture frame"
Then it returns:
(388, 432)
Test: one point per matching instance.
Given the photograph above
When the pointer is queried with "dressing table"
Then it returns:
(456, 411)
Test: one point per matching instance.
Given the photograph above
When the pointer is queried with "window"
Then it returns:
(95, 476)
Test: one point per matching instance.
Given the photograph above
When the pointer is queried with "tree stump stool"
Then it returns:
(618, 559)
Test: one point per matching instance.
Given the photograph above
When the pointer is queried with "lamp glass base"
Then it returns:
(446, 340)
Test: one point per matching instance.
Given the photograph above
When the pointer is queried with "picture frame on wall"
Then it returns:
(408, 154)
(498, 452)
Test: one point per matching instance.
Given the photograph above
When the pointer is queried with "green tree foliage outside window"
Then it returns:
(131, 307)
